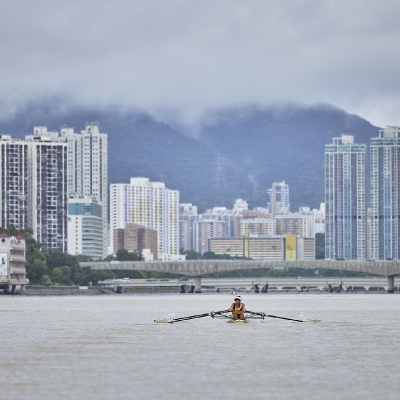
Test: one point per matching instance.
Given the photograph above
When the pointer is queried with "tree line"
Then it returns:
(53, 267)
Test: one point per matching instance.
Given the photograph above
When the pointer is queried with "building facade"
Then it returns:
(279, 198)
(149, 204)
(205, 229)
(13, 274)
(85, 227)
(256, 226)
(385, 196)
(301, 224)
(88, 168)
(47, 190)
(187, 217)
(345, 199)
(13, 182)
(273, 248)
(136, 237)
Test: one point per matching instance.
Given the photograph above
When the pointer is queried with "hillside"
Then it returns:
(238, 155)
(283, 144)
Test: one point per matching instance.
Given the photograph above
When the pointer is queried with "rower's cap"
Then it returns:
(237, 298)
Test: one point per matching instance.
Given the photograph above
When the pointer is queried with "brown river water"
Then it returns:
(108, 347)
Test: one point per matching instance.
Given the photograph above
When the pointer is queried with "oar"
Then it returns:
(209, 314)
(261, 314)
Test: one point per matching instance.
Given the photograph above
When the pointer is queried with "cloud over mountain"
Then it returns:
(180, 58)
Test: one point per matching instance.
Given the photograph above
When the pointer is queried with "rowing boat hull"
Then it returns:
(237, 321)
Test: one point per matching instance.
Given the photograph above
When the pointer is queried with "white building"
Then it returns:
(85, 227)
(149, 204)
(88, 167)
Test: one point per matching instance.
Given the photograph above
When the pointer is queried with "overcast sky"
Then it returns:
(185, 57)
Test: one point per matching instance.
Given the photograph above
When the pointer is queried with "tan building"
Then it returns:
(306, 249)
(136, 237)
(256, 248)
(297, 224)
(263, 248)
(231, 246)
(256, 226)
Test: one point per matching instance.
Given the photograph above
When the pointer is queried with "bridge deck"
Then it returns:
(204, 267)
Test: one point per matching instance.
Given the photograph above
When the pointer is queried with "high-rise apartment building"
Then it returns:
(47, 189)
(149, 204)
(385, 196)
(345, 199)
(13, 182)
(88, 167)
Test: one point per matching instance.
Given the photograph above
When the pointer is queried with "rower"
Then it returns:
(237, 308)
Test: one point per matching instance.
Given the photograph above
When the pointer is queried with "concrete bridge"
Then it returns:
(197, 268)
(259, 285)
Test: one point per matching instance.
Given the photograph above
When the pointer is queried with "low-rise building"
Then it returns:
(85, 227)
(12, 262)
(276, 247)
(136, 237)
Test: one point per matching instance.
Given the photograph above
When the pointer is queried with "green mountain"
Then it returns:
(237, 155)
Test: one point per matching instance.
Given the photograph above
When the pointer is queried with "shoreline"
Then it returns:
(41, 290)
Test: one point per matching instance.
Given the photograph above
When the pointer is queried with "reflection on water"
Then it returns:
(109, 347)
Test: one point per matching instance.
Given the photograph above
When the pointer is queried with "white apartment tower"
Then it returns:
(149, 204)
(88, 167)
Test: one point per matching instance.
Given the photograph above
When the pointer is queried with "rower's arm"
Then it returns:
(231, 307)
(244, 307)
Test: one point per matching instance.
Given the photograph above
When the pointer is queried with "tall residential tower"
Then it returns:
(385, 196)
(13, 182)
(345, 199)
(47, 189)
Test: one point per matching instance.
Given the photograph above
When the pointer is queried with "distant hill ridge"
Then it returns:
(237, 155)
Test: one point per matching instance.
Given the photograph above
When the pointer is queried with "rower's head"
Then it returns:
(237, 298)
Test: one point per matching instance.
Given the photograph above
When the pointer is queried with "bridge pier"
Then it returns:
(391, 284)
(197, 284)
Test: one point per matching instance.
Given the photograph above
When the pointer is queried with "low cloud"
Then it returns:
(179, 59)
